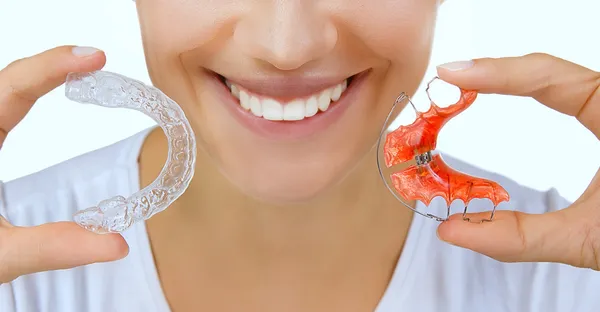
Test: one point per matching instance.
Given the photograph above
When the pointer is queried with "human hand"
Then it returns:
(60, 245)
(571, 235)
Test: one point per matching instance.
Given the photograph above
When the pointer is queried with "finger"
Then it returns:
(24, 81)
(519, 237)
(561, 85)
(54, 246)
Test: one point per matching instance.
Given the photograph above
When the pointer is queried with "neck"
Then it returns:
(359, 204)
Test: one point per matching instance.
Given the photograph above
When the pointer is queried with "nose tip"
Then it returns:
(287, 41)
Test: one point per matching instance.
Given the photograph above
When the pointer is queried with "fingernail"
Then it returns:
(457, 66)
(84, 51)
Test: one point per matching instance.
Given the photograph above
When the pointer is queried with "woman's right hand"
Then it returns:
(60, 245)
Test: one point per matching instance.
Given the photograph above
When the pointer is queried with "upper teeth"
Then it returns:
(297, 109)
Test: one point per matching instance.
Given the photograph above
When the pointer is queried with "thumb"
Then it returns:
(54, 246)
(519, 237)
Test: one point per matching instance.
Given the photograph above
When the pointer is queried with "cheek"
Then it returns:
(392, 30)
(402, 34)
(169, 29)
(173, 26)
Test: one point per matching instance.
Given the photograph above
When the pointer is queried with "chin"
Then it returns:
(287, 191)
(285, 184)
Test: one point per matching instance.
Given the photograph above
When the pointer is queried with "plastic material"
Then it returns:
(413, 170)
(113, 90)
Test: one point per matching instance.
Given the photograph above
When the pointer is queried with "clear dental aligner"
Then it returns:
(108, 89)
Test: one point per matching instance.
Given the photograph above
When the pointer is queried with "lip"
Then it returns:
(290, 130)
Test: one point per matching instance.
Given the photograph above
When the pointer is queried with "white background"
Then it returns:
(516, 137)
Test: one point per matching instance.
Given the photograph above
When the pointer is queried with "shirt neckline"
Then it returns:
(391, 299)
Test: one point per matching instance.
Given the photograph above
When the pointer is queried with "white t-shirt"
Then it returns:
(430, 276)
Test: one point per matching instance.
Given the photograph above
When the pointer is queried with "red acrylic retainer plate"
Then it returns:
(413, 170)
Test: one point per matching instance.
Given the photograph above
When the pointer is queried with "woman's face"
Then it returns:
(287, 96)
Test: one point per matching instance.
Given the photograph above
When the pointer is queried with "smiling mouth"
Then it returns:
(294, 109)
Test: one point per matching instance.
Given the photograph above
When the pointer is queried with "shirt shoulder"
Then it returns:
(536, 286)
(55, 194)
(450, 278)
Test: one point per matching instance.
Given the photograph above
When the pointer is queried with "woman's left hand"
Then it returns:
(571, 235)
